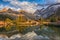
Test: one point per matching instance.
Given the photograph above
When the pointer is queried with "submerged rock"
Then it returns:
(15, 36)
(41, 38)
(28, 36)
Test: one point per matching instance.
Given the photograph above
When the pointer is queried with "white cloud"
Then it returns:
(7, 6)
(9, 0)
(1, 6)
(25, 5)
(58, 1)
(29, 7)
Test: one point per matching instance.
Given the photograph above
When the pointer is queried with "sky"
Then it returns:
(28, 5)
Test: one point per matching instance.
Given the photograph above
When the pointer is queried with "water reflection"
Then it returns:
(39, 33)
(51, 32)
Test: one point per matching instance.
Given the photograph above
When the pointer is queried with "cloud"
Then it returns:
(58, 1)
(7, 6)
(50, 1)
(9, 0)
(27, 6)
(1, 6)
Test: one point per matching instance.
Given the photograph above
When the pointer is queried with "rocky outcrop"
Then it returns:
(45, 13)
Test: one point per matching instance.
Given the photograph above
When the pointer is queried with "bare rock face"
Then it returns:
(45, 13)
(28, 36)
(15, 36)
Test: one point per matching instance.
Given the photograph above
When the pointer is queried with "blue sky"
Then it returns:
(36, 1)
(28, 5)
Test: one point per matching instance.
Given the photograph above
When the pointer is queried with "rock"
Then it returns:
(41, 38)
(15, 36)
(28, 36)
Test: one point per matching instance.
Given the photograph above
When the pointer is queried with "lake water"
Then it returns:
(41, 33)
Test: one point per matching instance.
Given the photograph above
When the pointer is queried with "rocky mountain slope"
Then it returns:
(50, 10)
(44, 13)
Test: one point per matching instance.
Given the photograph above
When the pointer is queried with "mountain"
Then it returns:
(3, 10)
(9, 13)
(58, 12)
(56, 15)
(45, 13)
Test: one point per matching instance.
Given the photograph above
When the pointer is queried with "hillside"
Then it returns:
(16, 20)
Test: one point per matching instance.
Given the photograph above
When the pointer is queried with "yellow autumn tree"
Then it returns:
(8, 24)
(18, 25)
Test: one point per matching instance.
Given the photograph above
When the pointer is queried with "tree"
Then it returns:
(8, 24)
(18, 23)
(53, 19)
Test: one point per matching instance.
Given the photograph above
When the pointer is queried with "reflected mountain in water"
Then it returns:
(45, 33)
(37, 32)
